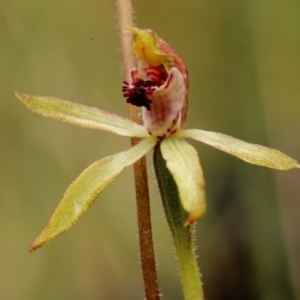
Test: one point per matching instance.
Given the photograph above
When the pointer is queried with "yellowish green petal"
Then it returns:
(82, 115)
(183, 163)
(84, 190)
(251, 153)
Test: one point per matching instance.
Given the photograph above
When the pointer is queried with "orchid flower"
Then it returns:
(159, 85)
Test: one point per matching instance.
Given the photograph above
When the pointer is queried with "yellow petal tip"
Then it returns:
(191, 220)
(146, 46)
(21, 96)
(36, 245)
(18, 95)
(32, 248)
(195, 217)
(40, 241)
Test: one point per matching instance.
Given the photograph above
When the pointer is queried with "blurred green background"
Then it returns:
(243, 59)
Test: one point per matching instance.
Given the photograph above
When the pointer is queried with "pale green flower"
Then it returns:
(159, 85)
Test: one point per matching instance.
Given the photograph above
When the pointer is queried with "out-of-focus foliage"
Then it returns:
(244, 65)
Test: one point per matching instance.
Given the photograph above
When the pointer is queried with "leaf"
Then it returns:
(82, 115)
(84, 190)
(251, 153)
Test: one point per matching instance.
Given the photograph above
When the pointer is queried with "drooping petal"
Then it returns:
(84, 190)
(251, 153)
(183, 163)
(82, 115)
(166, 104)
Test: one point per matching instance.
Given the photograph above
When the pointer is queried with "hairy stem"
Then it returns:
(140, 169)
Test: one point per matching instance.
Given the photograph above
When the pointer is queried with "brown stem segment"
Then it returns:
(140, 169)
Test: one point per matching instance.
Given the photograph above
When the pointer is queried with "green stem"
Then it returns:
(140, 169)
(183, 237)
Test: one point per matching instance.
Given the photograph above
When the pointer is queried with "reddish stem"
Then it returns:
(140, 169)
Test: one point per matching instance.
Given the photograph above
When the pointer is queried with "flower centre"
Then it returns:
(138, 91)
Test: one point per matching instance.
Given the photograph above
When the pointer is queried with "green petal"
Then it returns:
(183, 163)
(251, 153)
(85, 189)
(82, 115)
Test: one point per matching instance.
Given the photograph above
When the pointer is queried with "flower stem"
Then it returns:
(140, 169)
(183, 236)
